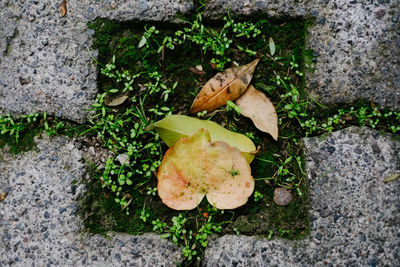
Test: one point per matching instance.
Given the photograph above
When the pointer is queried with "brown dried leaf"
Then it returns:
(195, 167)
(63, 8)
(256, 106)
(197, 71)
(3, 196)
(118, 101)
(227, 85)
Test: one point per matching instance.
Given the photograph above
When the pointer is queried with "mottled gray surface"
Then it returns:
(45, 63)
(355, 216)
(356, 45)
(38, 222)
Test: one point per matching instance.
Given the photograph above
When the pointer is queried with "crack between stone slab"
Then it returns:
(9, 41)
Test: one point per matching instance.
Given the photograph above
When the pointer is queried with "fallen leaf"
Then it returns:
(63, 8)
(256, 106)
(118, 101)
(197, 71)
(3, 196)
(174, 127)
(195, 168)
(271, 46)
(229, 178)
(142, 42)
(224, 86)
(391, 177)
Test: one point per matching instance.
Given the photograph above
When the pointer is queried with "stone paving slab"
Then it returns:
(355, 216)
(355, 44)
(45, 63)
(38, 221)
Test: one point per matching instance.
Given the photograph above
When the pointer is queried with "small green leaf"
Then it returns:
(271, 46)
(166, 235)
(391, 177)
(233, 106)
(174, 127)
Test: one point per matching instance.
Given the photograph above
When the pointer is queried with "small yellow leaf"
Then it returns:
(227, 85)
(64, 8)
(257, 106)
(118, 101)
(391, 177)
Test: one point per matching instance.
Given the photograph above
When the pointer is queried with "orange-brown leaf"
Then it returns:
(257, 106)
(64, 8)
(3, 196)
(181, 175)
(229, 177)
(195, 167)
(227, 85)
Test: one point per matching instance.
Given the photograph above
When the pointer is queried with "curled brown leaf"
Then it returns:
(227, 85)
(197, 71)
(3, 196)
(63, 8)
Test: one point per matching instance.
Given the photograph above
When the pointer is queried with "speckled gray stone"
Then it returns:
(45, 62)
(38, 221)
(355, 216)
(356, 45)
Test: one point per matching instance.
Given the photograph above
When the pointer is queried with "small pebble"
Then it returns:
(123, 159)
(282, 196)
(395, 18)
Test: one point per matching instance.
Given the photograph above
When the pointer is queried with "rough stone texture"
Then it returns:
(45, 63)
(38, 224)
(356, 45)
(355, 216)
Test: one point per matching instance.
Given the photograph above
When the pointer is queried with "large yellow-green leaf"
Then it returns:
(195, 167)
(174, 127)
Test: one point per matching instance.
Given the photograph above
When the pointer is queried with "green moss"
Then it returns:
(100, 213)
(105, 31)
(25, 142)
(103, 214)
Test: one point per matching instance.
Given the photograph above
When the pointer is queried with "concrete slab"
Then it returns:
(38, 221)
(355, 216)
(45, 63)
(356, 45)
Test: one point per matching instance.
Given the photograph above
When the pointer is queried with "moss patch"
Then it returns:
(102, 213)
